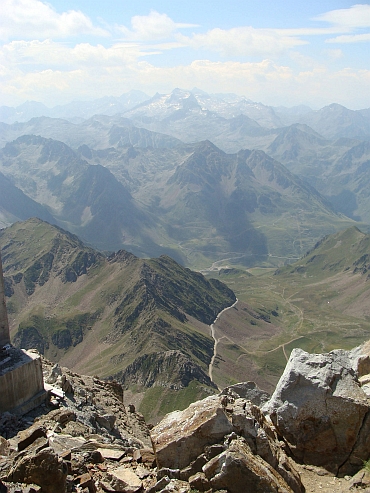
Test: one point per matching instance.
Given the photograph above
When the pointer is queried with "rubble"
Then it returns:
(87, 441)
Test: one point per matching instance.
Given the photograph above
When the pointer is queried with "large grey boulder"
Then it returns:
(320, 410)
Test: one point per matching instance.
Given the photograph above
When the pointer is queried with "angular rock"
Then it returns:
(360, 480)
(26, 437)
(64, 416)
(44, 468)
(86, 481)
(194, 467)
(148, 457)
(66, 385)
(182, 435)
(213, 450)
(55, 372)
(106, 421)
(111, 453)
(199, 482)
(124, 479)
(319, 409)
(237, 469)
(63, 443)
(248, 391)
(171, 473)
(249, 422)
(142, 472)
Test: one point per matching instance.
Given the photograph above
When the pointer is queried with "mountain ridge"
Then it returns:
(102, 314)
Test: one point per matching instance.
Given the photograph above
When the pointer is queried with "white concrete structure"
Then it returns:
(4, 325)
(21, 378)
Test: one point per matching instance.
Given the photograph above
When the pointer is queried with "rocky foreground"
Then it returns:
(310, 435)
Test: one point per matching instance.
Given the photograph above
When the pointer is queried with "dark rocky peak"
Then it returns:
(122, 256)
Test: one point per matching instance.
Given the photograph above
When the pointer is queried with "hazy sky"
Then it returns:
(276, 52)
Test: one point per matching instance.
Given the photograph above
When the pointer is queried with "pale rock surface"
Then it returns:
(238, 469)
(320, 409)
(187, 440)
(4, 447)
(182, 435)
(248, 391)
(124, 479)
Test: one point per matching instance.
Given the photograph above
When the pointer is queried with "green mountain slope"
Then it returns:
(319, 303)
(99, 315)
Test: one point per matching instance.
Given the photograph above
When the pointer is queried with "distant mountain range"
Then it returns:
(172, 174)
(193, 202)
(75, 110)
(166, 113)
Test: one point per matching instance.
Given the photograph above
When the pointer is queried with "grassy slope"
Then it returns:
(319, 303)
(98, 317)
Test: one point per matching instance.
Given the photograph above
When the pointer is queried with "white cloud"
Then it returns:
(152, 27)
(30, 19)
(96, 71)
(50, 53)
(243, 41)
(36, 66)
(350, 38)
(334, 54)
(356, 16)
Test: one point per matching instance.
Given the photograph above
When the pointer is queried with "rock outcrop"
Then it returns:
(321, 411)
(218, 437)
(84, 440)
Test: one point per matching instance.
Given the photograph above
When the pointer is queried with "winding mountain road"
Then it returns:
(212, 326)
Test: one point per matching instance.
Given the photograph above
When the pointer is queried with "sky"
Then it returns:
(275, 52)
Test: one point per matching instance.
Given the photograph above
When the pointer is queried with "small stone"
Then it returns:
(111, 454)
(142, 472)
(148, 457)
(65, 416)
(137, 455)
(107, 421)
(124, 479)
(162, 483)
